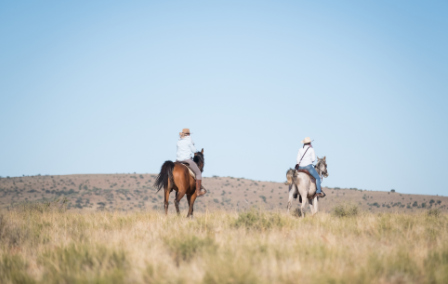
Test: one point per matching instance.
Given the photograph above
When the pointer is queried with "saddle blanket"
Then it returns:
(192, 174)
(308, 173)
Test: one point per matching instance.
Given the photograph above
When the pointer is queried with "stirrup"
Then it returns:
(201, 193)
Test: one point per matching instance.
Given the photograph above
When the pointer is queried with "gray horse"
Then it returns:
(300, 183)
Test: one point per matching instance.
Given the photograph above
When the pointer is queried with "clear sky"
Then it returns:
(106, 86)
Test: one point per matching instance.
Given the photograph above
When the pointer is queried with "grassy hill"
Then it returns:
(130, 192)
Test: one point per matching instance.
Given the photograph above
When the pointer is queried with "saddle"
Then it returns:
(306, 172)
(187, 165)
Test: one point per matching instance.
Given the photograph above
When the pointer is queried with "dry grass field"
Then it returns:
(111, 229)
(41, 243)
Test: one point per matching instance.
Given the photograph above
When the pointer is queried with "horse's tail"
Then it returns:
(289, 177)
(165, 176)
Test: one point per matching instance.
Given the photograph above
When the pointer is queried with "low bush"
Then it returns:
(185, 247)
(258, 220)
(345, 210)
(433, 212)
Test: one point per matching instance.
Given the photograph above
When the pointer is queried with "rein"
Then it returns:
(319, 171)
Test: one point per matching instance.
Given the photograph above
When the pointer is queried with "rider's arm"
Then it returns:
(191, 145)
(313, 155)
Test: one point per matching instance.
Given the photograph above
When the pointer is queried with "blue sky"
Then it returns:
(105, 87)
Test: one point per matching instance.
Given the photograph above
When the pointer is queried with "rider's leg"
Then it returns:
(314, 173)
(198, 173)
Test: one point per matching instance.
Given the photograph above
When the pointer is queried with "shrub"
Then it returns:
(433, 212)
(255, 219)
(345, 210)
(392, 190)
(184, 248)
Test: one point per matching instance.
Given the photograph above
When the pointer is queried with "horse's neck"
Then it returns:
(319, 171)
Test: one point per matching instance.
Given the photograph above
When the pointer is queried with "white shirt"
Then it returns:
(185, 148)
(309, 157)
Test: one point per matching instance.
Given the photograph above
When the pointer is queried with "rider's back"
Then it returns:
(185, 148)
(308, 155)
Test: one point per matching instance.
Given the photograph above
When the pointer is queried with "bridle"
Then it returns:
(319, 171)
(200, 160)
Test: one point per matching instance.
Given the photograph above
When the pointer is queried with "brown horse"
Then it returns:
(176, 176)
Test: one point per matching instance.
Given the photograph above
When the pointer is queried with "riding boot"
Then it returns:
(321, 194)
(198, 188)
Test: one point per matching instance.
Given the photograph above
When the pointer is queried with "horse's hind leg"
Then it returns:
(179, 196)
(176, 203)
(302, 208)
(191, 199)
(291, 193)
(167, 196)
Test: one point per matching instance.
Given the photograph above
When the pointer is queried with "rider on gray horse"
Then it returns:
(305, 159)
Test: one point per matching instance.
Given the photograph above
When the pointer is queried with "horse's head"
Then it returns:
(199, 159)
(321, 166)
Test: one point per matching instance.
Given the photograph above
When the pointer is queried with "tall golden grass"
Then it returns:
(45, 245)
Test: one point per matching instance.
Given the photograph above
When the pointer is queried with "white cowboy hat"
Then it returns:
(306, 140)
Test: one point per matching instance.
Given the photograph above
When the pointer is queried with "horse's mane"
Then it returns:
(198, 158)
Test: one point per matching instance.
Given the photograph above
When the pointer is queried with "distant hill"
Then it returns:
(126, 192)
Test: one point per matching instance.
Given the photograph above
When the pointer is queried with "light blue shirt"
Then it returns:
(185, 148)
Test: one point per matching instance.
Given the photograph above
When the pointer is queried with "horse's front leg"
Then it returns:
(311, 201)
(191, 198)
(313, 205)
(179, 195)
(316, 204)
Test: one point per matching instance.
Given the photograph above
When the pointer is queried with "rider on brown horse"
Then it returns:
(185, 150)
